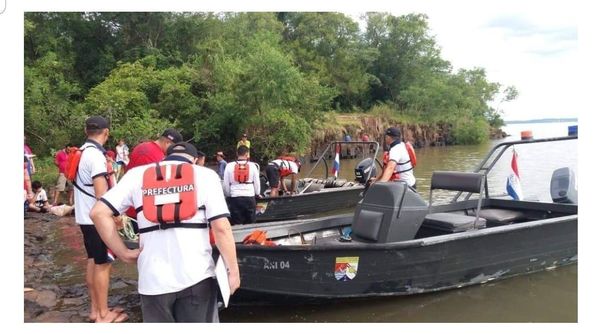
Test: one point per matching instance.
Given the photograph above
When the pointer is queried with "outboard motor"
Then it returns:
(361, 171)
(563, 186)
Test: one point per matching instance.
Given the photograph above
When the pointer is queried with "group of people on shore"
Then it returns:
(181, 209)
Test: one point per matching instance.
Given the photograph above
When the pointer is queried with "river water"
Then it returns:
(549, 296)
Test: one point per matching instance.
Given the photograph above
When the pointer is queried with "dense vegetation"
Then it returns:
(216, 75)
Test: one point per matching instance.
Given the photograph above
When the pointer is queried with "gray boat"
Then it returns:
(395, 243)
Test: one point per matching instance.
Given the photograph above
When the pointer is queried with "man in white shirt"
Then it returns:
(241, 184)
(176, 201)
(91, 182)
(277, 170)
(396, 161)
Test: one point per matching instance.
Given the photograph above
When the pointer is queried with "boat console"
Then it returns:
(389, 212)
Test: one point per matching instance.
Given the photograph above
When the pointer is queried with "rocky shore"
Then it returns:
(54, 265)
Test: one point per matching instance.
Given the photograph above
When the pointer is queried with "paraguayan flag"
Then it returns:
(513, 181)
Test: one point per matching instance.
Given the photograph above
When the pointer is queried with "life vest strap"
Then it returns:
(159, 176)
(81, 189)
(173, 225)
(141, 208)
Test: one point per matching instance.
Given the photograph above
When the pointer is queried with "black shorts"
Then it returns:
(94, 246)
(272, 172)
(242, 209)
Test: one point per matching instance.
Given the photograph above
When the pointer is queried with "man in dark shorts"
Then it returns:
(277, 170)
(176, 279)
(91, 183)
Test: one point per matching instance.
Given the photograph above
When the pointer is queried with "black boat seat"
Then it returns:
(456, 221)
(452, 222)
(495, 217)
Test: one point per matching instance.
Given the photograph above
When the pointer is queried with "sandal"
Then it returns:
(114, 316)
(116, 309)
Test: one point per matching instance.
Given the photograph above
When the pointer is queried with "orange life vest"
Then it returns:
(241, 172)
(258, 237)
(412, 159)
(411, 154)
(73, 158)
(169, 194)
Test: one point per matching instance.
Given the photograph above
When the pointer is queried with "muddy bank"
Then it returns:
(54, 265)
(420, 135)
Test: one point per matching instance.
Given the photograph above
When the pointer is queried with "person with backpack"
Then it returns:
(87, 168)
(177, 201)
(399, 159)
(241, 184)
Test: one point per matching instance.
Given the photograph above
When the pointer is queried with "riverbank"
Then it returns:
(54, 264)
(420, 134)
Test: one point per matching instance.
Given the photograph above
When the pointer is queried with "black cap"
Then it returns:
(245, 135)
(393, 132)
(183, 147)
(173, 135)
(201, 154)
(96, 123)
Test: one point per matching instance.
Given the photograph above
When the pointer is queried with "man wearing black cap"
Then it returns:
(91, 182)
(176, 202)
(153, 151)
(397, 165)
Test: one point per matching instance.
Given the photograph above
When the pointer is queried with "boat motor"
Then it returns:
(563, 186)
(361, 171)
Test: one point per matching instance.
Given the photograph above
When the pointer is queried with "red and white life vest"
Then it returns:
(241, 172)
(412, 160)
(169, 193)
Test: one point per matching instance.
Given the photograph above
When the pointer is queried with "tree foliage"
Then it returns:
(215, 75)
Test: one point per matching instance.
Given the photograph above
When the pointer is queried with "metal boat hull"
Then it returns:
(303, 205)
(409, 267)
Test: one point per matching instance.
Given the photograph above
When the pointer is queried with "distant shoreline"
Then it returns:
(543, 120)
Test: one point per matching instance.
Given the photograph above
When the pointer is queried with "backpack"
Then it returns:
(241, 172)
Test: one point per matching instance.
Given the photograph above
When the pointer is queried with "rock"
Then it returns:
(32, 310)
(46, 298)
(118, 285)
(73, 301)
(54, 316)
(31, 295)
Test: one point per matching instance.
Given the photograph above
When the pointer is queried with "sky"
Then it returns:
(530, 45)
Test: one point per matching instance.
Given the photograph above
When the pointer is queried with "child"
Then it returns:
(40, 202)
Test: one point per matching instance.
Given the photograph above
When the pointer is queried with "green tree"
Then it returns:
(329, 46)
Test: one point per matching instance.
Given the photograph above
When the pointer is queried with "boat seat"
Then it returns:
(497, 217)
(452, 222)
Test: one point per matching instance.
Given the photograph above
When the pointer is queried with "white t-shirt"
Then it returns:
(233, 188)
(91, 165)
(122, 154)
(177, 258)
(399, 154)
(41, 198)
(292, 166)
